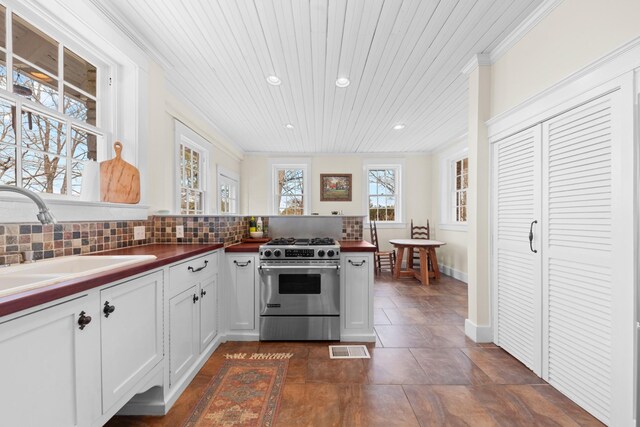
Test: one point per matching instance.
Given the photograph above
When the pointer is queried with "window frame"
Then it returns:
(228, 176)
(400, 168)
(186, 136)
(448, 190)
(104, 123)
(295, 163)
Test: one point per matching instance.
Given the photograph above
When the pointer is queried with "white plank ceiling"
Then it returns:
(403, 58)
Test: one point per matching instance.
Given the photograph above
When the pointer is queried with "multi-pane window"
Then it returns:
(289, 190)
(192, 194)
(228, 188)
(48, 111)
(383, 185)
(460, 184)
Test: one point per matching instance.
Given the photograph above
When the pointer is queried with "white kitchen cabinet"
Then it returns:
(208, 311)
(356, 307)
(184, 337)
(241, 310)
(131, 326)
(50, 368)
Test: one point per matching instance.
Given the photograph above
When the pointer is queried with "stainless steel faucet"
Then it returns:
(45, 216)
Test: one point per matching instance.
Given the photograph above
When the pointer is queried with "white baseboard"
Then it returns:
(456, 274)
(357, 337)
(477, 333)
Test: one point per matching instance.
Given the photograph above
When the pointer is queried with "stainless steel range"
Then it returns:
(300, 289)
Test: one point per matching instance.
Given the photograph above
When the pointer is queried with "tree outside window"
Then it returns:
(289, 193)
(461, 182)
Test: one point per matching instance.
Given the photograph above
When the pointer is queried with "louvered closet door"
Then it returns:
(516, 268)
(578, 254)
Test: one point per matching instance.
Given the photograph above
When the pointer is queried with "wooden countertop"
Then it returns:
(356, 246)
(165, 254)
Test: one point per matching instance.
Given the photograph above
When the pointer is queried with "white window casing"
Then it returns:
(448, 190)
(303, 164)
(397, 165)
(229, 197)
(186, 140)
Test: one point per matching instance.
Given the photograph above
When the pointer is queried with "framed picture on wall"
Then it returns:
(335, 187)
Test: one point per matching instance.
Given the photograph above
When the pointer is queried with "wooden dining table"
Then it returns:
(427, 250)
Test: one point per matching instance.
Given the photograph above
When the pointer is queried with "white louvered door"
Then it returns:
(516, 267)
(579, 185)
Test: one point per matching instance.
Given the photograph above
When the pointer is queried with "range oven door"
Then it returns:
(299, 290)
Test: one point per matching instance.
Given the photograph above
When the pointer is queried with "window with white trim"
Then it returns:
(460, 182)
(192, 179)
(290, 189)
(383, 198)
(228, 192)
(50, 125)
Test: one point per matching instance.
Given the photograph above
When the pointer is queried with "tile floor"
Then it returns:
(423, 371)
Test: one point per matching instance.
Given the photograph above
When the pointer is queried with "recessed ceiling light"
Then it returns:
(273, 80)
(39, 75)
(343, 82)
(399, 126)
(289, 126)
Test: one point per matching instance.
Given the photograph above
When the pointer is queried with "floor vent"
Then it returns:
(349, 352)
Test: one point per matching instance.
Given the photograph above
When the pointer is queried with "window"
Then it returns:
(383, 200)
(290, 189)
(228, 191)
(49, 125)
(192, 160)
(460, 175)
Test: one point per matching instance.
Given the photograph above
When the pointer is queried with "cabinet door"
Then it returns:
(50, 368)
(356, 292)
(208, 311)
(183, 333)
(516, 261)
(241, 309)
(131, 334)
(582, 206)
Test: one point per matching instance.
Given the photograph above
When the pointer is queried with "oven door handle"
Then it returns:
(298, 267)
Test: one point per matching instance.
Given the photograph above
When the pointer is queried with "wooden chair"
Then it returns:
(387, 258)
(420, 232)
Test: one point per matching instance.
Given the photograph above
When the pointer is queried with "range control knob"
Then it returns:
(277, 252)
(330, 253)
(320, 252)
(267, 253)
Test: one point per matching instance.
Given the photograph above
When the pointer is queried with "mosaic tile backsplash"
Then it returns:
(74, 238)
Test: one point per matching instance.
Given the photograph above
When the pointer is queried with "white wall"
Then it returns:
(574, 34)
(256, 186)
(164, 108)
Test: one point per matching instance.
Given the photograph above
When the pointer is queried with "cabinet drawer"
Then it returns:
(194, 270)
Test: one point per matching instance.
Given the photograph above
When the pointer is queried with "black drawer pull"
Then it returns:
(239, 264)
(195, 298)
(108, 309)
(357, 264)
(195, 270)
(83, 320)
(202, 293)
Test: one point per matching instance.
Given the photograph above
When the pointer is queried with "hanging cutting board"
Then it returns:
(119, 180)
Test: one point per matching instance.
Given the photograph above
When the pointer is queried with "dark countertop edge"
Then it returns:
(356, 246)
(21, 301)
(243, 247)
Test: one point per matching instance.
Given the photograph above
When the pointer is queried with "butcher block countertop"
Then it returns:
(165, 254)
(356, 246)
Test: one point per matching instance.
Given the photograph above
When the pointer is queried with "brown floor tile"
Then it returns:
(297, 371)
(384, 406)
(501, 367)
(350, 371)
(300, 405)
(445, 336)
(406, 316)
(383, 302)
(394, 366)
(379, 318)
(400, 336)
(449, 366)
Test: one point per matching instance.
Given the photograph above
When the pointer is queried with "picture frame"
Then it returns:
(335, 187)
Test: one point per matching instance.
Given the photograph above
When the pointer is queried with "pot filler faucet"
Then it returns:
(45, 216)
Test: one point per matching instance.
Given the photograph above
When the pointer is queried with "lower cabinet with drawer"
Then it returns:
(356, 297)
(241, 304)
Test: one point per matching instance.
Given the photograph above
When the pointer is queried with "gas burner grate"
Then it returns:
(322, 241)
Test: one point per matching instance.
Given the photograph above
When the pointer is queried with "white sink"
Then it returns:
(25, 277)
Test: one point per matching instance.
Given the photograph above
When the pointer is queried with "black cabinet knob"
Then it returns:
(108, 309)
(83, 320)
(195, 298)
(202, 292)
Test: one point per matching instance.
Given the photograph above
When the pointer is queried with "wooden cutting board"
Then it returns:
(119, 180)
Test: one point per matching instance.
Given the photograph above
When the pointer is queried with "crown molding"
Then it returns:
(523, 28)
(477, 60)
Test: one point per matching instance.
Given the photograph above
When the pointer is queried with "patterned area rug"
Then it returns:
(245, 392)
